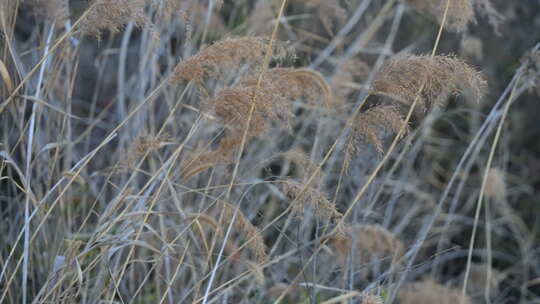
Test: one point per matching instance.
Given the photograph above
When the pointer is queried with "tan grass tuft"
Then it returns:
(460, 12)
(312, 198)
(428, 292)
(369, 125)
(292, 83)
(439, 77)
(273, 100)
(113, 15)
(225, 53)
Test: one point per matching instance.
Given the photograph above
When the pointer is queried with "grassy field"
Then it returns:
(269, 151)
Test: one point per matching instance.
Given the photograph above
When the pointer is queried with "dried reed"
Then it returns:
(113, 15)
(225, 53)
(438, 77)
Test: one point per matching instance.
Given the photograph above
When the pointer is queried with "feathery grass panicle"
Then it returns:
(232, 106)
(438, 77)
(225, 53)
(369, 124)
(288, 84)
(372, 241)
(311, 197)
(242, 225)
(113, 15)
(273, 100)
(293, 83)
(460, 12)
(428, 292)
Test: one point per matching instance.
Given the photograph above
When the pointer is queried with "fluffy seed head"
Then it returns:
(225, 53)
(430, 79)
(113, 15)
(369, 124)
(273, 101)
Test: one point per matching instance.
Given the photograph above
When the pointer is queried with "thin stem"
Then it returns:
(483, 187)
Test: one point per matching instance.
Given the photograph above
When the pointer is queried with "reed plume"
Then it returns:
(222, 54)
(273, 99)
(273, 104)
(369, 126)
(430, 79)
(278, 87)
(113, 15)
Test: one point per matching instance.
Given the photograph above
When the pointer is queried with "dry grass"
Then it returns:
(113, 15)
(431, 79)
(175, 152)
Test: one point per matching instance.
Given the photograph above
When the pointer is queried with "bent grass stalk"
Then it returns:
(483, 187)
